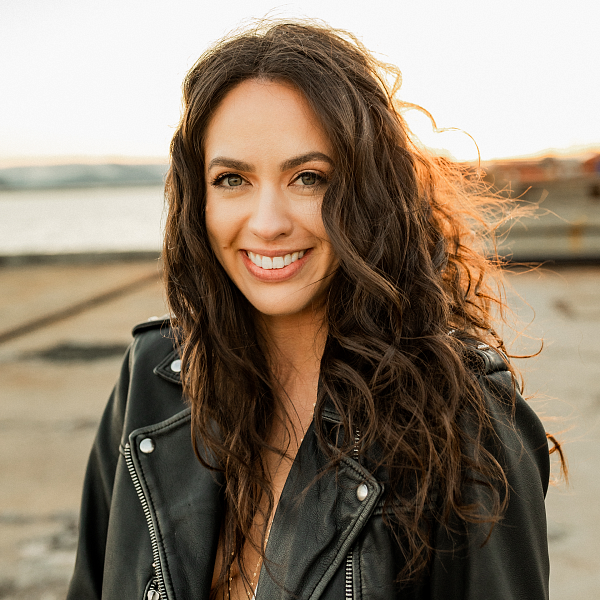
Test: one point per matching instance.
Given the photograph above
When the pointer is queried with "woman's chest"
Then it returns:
(320, 518)
(227, 579)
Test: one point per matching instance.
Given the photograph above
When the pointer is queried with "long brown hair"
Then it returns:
(408, 232)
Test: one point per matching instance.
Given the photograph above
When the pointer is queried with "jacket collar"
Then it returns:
(169, 368)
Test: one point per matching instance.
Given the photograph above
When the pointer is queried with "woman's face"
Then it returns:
(267, 165)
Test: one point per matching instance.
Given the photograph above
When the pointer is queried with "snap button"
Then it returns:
(176, 366)
(147, 446)
(362, 492)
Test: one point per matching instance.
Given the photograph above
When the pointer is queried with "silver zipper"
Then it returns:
(349, 576)
(153, 539)
(349, 571)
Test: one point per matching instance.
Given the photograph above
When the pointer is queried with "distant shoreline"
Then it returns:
(79, 258)
(72, 176)
(115, 173)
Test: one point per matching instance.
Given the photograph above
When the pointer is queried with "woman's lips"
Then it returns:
(275, 274)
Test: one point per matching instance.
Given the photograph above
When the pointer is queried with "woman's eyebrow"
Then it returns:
(304, 158)
(230, 163)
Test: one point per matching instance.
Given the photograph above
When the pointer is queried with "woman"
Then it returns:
(348, 425)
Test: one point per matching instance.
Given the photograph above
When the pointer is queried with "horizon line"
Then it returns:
(573, 152)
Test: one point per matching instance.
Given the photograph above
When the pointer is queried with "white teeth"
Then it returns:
(255, 258)
(277, 262)
(267, 262)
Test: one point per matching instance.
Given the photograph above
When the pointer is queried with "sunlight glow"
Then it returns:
(94, 80)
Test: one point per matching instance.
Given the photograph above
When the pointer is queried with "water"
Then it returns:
(105, 219)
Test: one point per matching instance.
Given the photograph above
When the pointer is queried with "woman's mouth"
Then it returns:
(275, 268)
(274, 262)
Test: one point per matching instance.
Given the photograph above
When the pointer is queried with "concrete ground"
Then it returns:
(56, 376)
(54, 383)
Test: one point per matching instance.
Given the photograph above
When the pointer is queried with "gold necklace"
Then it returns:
(252, 591)
(311, 420)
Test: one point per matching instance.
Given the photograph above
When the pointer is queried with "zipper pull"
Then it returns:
(153, 593)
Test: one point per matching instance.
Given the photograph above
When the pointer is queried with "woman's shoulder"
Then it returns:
(148, 389)
(520, 437)
(154, 348)
(491, 366)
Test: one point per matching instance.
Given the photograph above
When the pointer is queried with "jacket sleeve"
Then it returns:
(86, 583)
(510, 562)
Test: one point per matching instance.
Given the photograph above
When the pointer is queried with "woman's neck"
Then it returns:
(295, 346)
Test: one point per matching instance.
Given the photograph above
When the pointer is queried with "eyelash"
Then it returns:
(216, 182)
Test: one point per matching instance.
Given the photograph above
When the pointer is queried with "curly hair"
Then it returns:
(409, 231)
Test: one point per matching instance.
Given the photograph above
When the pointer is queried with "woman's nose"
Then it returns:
(270, 218)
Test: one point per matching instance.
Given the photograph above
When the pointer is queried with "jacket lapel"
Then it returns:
(315, 525)
(184, 505)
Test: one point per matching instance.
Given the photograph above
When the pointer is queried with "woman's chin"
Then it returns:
(280, 310)
(287, 308)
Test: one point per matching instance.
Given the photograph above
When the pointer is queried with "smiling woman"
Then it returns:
(328, 412)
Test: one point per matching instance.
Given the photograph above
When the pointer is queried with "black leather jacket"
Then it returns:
(150, 512)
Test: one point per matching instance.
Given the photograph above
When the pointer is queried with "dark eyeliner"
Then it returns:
(322, 179)
(219, 178)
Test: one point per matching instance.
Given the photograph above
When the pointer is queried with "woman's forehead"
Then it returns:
(264, 117)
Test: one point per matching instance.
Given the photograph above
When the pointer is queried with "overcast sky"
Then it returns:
(103, 78)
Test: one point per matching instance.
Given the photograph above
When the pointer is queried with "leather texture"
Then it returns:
(131, 496)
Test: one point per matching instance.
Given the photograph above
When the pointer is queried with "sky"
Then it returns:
(102, 79)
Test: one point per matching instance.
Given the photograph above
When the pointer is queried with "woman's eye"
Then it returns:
(232, 180)
(310, 178)
(228, 180)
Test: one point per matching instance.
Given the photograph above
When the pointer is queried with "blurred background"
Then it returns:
(90, 97)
